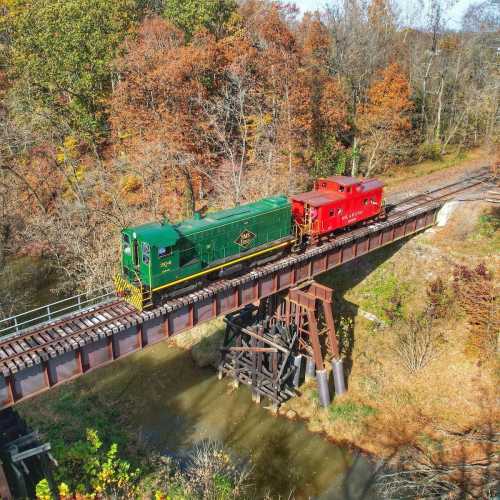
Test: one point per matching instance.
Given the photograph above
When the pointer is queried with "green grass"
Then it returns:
(350, 412)
(486, 235)
(384, 294)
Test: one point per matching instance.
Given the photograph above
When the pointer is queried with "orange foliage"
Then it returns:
(389, 103)
(208, 107)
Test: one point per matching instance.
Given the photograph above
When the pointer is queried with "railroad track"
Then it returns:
(55, 338)
(440, 193)
(29, 347)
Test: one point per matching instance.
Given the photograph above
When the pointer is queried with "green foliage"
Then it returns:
(329, 160)
(62, 52)
(350, 411)
(431, 151)
(223, 486)
(193, 15)
(488, 226)
(344, 328)
(90, 470)
(384, 296)
(75, 412)
(42, 490)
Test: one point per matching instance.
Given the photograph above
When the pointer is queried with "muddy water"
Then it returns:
(178, 404)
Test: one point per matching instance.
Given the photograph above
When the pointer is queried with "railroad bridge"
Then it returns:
(59, 349)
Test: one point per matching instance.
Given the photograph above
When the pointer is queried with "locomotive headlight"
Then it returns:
(127, 251)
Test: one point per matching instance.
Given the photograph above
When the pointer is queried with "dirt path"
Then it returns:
(428, 174)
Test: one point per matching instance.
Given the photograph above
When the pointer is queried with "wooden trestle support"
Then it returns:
(265, 344)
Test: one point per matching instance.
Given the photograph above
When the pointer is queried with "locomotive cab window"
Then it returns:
(126, 244)
(164, 252)
(145, 253)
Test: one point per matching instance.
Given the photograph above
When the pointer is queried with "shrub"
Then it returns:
(90, 470)
(477, 292)
(431, 151)
(210, 472)
(417, 342)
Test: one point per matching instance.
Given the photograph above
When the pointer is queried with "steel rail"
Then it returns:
(482, 173)
(469, 181)
(108, 308)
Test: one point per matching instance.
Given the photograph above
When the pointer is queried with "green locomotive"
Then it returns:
(160, 258)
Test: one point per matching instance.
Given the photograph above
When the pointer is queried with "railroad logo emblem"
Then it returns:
(245, 238)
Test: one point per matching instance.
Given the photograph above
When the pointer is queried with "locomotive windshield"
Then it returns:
(164, 252)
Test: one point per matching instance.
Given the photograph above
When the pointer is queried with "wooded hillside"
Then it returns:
(115, 113)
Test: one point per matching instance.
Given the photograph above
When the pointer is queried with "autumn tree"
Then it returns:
(362, 34)
(384, 121)
(62, 52)
(151, 112)
(323, 114)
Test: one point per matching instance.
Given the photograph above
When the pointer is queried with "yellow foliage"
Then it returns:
(68, 151)
(131, 184)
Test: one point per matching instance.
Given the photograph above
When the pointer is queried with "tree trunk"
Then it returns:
(190, 200)
(437, 130)
(355, 159)
(4, 239)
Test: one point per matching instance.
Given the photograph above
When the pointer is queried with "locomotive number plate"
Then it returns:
(245, 238)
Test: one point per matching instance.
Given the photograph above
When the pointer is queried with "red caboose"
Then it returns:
(335, 203)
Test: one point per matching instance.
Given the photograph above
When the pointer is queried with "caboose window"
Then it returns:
(145, 253)
(365, 201)
(164, 252)
(331, 212)
(339, 211)
(373, 201)
(341, 189)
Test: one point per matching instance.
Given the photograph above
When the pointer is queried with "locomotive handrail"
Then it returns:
(18, 322)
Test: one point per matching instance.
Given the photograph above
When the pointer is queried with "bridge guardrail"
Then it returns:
(28, 319)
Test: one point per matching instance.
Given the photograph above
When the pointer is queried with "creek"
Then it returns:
(172, 404)
(177, 405)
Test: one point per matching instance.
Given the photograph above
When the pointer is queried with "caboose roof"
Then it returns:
(343, 180)
(371, 184)
(319, 198)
